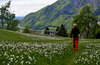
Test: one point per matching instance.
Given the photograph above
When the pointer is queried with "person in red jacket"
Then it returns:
(74, 33)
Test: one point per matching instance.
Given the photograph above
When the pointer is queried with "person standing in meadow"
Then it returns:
(74, 33)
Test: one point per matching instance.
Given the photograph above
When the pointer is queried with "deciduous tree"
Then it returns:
(85, 19)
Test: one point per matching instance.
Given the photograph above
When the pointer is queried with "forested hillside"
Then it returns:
(59, 12)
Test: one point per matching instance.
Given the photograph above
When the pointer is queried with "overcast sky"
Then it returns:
(23, 7)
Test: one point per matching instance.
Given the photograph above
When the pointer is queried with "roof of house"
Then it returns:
(50, 31)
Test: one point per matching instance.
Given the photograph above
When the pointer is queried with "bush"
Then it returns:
(97, 33)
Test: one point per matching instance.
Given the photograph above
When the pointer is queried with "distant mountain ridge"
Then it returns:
(59, 12)
(19, 17)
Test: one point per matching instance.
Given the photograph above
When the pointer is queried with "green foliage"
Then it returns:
(46, 30)
(7, 18)
(14, 25)
(61, 31)
(26, 30)
(4, 13)
(57, 29)
(99, 18)
(85, 20)
(97, 33)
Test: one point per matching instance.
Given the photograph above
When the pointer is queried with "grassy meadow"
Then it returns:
(25, 49)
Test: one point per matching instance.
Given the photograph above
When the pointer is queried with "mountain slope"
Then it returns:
(59, 12)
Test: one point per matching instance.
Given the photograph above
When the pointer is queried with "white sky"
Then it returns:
(23, 7)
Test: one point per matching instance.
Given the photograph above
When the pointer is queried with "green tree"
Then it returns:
(13, 25)
(62, 31)
(99, 18)
(7, 18)
(26, 30)
(97, 33)
(57, 29)
(3, 11)
(10, 21)
(85, 20)
(46, 31)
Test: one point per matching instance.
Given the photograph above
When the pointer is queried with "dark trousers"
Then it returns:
(75, 43)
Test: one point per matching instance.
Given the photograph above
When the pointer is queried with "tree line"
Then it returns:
(60, 31)
(7, 20)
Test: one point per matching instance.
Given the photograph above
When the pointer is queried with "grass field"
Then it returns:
(25, 49)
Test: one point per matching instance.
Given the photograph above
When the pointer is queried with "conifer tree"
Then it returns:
(62, 31)
(46, 31)
(57, 29)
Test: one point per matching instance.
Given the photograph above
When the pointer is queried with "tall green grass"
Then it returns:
(25, 49)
